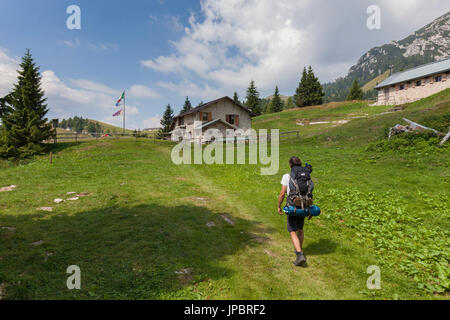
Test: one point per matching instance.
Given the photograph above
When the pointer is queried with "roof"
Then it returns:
(416, 73)
(206, 105)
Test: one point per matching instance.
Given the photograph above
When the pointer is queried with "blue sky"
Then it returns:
(162, 50)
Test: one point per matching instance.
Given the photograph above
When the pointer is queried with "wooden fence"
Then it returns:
(289, 136)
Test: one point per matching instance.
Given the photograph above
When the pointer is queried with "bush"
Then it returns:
(440, 123)
(409, 142)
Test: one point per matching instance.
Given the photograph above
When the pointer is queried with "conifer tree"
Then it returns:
(315, 89)
(236, 97)
(252, 100)
(289, 103)
(277, 103)
(356, 92)
(23, 111)
(187, 106)
(310, 91)
(167, 119)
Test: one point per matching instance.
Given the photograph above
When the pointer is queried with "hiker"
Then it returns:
(295, 223)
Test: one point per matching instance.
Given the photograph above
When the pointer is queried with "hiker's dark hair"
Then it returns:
(295, 161)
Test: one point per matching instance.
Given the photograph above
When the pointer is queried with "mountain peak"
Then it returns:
(428, 44)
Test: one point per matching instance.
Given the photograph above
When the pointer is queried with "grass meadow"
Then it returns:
(145, 228)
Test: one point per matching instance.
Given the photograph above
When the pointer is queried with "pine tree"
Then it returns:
(167, 119)
(253, 102)
(91, 128)
(310, 91)
(236, 97)
(23, 112)
(356, 92)
(301, 91)
(289, 103)
(268, 107)
(316, 90)
(277, 103)
(187, 106)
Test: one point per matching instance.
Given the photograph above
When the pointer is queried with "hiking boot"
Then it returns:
(301, 259)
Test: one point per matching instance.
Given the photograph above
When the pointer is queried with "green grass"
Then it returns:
(373, 83)
(145, 218)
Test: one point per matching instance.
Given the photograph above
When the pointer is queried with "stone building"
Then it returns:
(219, 115)
(414, 84)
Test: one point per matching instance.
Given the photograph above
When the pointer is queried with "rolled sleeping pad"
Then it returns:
(293, 211)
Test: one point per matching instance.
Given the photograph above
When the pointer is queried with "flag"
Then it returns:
(118, 113)
(120, 99)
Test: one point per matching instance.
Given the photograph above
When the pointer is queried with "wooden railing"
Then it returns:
(79, 137)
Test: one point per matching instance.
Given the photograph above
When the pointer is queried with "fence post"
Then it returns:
(76, 137)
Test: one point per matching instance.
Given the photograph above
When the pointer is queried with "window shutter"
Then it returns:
(227, 117)
(236, 117)
(201, 116)
(209, 116)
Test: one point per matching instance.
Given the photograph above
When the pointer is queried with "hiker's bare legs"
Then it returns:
(301, 236)
(296, 241)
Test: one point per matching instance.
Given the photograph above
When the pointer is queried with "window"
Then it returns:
(205, 116)
(438, 78)
(418, 83)
(402, 87)
(181, 121)
(233, 119)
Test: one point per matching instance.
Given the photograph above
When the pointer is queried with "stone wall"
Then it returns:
(219, 110)
(411, 91)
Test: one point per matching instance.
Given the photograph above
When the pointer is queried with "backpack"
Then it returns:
(300, 187)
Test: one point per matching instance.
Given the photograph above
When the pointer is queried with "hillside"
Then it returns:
(81, 124)
(428, 44)
(111, 128)
(282, 97)
(376, 206)
(372, 83)
(351, 121)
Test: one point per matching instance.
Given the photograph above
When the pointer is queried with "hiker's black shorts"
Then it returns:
(295, 223)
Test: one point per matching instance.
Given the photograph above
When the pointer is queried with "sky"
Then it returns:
(161, 51)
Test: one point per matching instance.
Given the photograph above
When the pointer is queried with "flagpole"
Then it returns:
(124, 94)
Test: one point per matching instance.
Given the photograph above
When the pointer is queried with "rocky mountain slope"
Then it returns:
(430, 43)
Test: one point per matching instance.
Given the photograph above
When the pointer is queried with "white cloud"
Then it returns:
(79, 97)
(191, 89)
(235, 41)
(94, 86)
(140, 91)
(102, 46)
(76, 43)
(8, 73)
(71, 43)
(153, 122)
